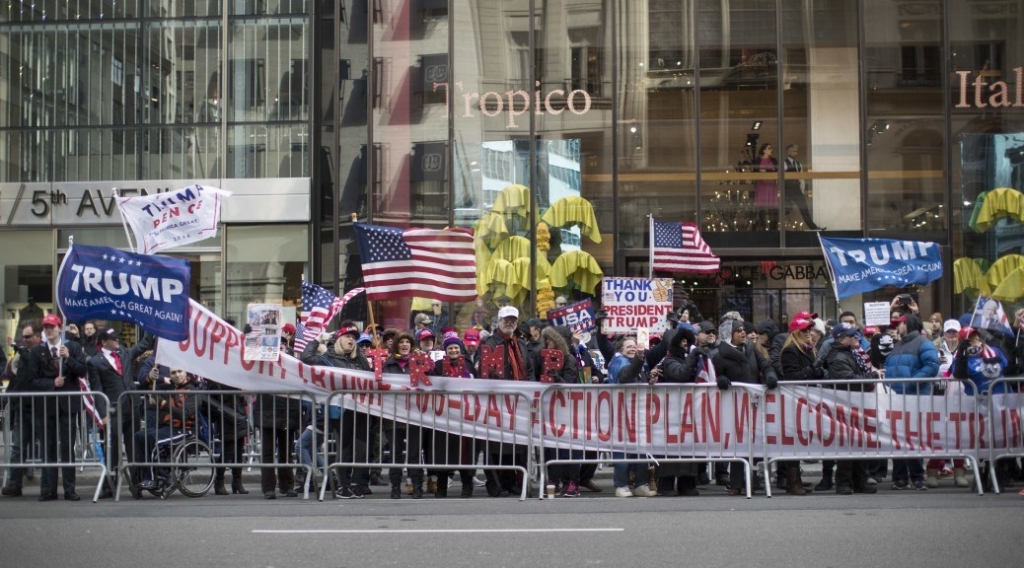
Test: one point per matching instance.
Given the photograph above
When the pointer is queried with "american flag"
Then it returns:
(318, 307)
(432, 263)
(678, 247)
(89, 402)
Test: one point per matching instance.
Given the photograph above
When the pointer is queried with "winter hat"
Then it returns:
(727, 326)
(885, 344)
(767, 327)
(451, 338)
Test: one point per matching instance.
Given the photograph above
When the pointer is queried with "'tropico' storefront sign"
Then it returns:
(517, 103)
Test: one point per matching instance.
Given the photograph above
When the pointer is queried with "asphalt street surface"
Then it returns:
(943, 527)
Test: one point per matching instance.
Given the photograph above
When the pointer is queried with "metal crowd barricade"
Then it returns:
(181, 440)
(818, 415)
(1005, 424)
(41, 429)
(410, 430)
(665, 423)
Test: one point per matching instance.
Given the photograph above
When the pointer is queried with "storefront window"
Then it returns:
(904, 139)
(26, 281)
(988, 166)
(265, 264)
(820, 148)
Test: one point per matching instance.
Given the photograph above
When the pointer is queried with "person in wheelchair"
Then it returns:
(168, 418)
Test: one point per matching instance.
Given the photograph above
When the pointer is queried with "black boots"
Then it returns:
(218, 483)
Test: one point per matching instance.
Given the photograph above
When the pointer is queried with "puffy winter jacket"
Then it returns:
(914, 357)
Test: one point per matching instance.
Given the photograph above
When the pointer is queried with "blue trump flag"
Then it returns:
(863, 265)
(102, 282)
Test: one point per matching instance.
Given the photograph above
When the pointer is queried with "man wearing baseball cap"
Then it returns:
(471, 339)
(843, 362)
(58, 362)
(288, 338)
(513, 364)
(112, 372)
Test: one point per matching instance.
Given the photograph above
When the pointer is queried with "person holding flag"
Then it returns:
(112, 372)
(59, 362)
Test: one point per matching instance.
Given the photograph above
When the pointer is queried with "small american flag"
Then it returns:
(89, 402)
(318, 307)
(438, 264)
(678, 247)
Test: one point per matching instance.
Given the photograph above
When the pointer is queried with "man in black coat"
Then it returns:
(59, 362)
(25, 422)
(111, 372)
(738, 361)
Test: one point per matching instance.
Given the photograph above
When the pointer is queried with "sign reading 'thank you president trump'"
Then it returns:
(107, 283)
(633, 303)
(863, 265)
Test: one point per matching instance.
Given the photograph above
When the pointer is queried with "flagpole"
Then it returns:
(650, 247)
(124, 223)
(831, 273)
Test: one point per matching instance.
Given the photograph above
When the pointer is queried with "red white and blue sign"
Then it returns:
(578, 316)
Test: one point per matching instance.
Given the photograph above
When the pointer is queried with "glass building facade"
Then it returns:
(553, 128)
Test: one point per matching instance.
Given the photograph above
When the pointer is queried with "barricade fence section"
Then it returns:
(42, 430)
(852, 421)
(1005, 410)
(188, 440)
(678, 427)
(434, 433)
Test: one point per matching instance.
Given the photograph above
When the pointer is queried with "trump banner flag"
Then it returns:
(167, 220)
(863, 265)
(107, 283)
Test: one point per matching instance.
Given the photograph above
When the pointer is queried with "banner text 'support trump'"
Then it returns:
(664, 420)
(166, 220)
(111, 284)
(863, 265)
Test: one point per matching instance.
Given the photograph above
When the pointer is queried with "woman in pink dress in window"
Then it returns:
(766, 192)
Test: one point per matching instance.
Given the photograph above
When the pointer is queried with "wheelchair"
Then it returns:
(192, 456)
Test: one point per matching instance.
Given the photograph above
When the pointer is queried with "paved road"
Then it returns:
(945, 527)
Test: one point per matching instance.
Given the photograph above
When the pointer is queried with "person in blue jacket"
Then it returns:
(913, 357)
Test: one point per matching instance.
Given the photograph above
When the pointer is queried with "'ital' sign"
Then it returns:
(997, 95)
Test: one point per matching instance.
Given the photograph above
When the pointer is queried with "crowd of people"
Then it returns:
(692, 350)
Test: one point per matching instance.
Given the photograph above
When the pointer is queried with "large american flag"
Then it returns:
(678, 247)
(430, 263)
(318, 307)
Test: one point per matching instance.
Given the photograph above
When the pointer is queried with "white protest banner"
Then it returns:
(632, 303)
(166, 220)
(664, 420)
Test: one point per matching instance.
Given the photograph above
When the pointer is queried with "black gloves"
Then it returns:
(724, 383)
(772, 383)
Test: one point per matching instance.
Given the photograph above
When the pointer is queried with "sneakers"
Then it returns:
(346, 493)
(644, 491)
(623, 492)
(920, 486)
(361, 491)
(572, 490)
(899, 486)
